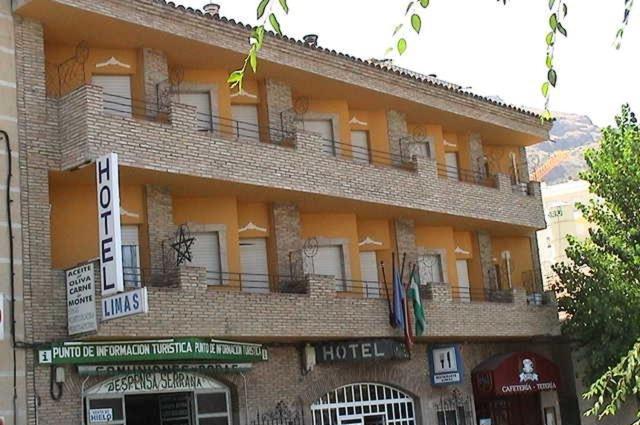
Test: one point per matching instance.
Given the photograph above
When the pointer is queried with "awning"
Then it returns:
(515, 373)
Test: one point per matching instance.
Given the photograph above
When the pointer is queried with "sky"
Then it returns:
(482, 44)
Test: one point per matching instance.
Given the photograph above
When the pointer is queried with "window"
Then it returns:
(116, 93)
(451, 162)
(360, 146)
(202, 103)
(213, 408)
(131, 256)
(452, 417)
(205, 253)
(254, 264)
(364, 404)
(329, 260)
(430, 268)
(323, 128)
(369, 274)
(464, 291)
(246, 121)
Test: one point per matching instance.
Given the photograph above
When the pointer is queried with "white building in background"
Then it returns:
(563, 219)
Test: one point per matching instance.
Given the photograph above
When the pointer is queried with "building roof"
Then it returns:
(403, 72)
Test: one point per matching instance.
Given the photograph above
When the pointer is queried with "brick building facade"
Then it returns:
(304, 194)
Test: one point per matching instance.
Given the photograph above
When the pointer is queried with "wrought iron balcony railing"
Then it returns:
(466, 176)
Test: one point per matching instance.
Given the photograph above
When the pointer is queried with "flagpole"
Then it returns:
(386, 289)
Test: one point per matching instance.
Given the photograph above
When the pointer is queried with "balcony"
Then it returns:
(188, 304)
(299, 162)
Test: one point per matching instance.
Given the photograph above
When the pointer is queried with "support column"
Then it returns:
(476, 154)
(406, 243)
(486, 260)
(155, 70)
(397, 131)
(288, 239)
(160, 227)
(280, 108)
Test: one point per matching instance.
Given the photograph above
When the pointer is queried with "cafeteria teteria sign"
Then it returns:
(185, 349)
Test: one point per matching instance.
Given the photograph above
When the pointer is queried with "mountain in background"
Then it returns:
(562, 158)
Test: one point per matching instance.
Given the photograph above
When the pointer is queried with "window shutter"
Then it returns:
(205, 252)
(202, 103)
(255, 268)
(246, 125)
(117, 93)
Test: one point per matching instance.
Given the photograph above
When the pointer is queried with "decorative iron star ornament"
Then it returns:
(183, 244)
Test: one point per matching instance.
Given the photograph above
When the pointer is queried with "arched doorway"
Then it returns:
(364, 404)
(150, 398)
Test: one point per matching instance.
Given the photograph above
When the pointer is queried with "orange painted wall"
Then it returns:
(376, 125)
(440, 238)
(521, 258)
(74, 220)
(500, 158)
(434, 132)
(56, 53)
(256, 213)
(340, 108)
(217, 77)
(378, 230)
(219, 210)
(335, 226)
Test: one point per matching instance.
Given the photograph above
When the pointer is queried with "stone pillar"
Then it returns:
(280, 108)
(397, 131)
(155, 71)
(523, 165)
(486, 260)
(476, 154)
(160, 227)
(288, 239)
(406, 243)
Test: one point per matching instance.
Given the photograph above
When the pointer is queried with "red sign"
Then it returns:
(515, 373)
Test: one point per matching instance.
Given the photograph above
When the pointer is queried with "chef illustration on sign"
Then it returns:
(528, 372)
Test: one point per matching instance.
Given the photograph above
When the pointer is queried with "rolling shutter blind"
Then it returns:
(247, 121)
(369, 273)
(451, 160)
(360, 146)
(117, 93)
(202, 103)
(324, 128)
(255, 268)
(329, 261)
(129, 234)
(205, 252)
(462, 268)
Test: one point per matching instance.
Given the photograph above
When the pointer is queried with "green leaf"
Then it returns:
(565, 10)
(397, 28)
(416, 22)
(409, 6)
(550, 39)
(402, 46)
(284, 5)
(551, 3)
(262, 6)
(545, 89)
(549, 61)
(552, 76)
(259, 36)
(424, 3)
(274, 23)
(562, 29)
(235, 78)
(253, 60)
(553, 21)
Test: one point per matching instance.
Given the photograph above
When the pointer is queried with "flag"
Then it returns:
(398, 301)
(418, 310)
(408, 337)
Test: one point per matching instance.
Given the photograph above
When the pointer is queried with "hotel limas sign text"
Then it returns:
(109, 241)
(152, 350)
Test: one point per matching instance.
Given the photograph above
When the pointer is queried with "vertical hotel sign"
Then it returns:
(110, 243)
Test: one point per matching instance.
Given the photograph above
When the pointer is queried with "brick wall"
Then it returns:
(288, 239)
(152, 145)
(397, 132)
(159, 226)
(155, 71)
(476, 154)
(486, 259)
(406, 243)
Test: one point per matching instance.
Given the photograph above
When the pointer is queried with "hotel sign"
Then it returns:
(110, 239)
(125, 304)
(356, 351)
(81, 299)
(181, 349)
